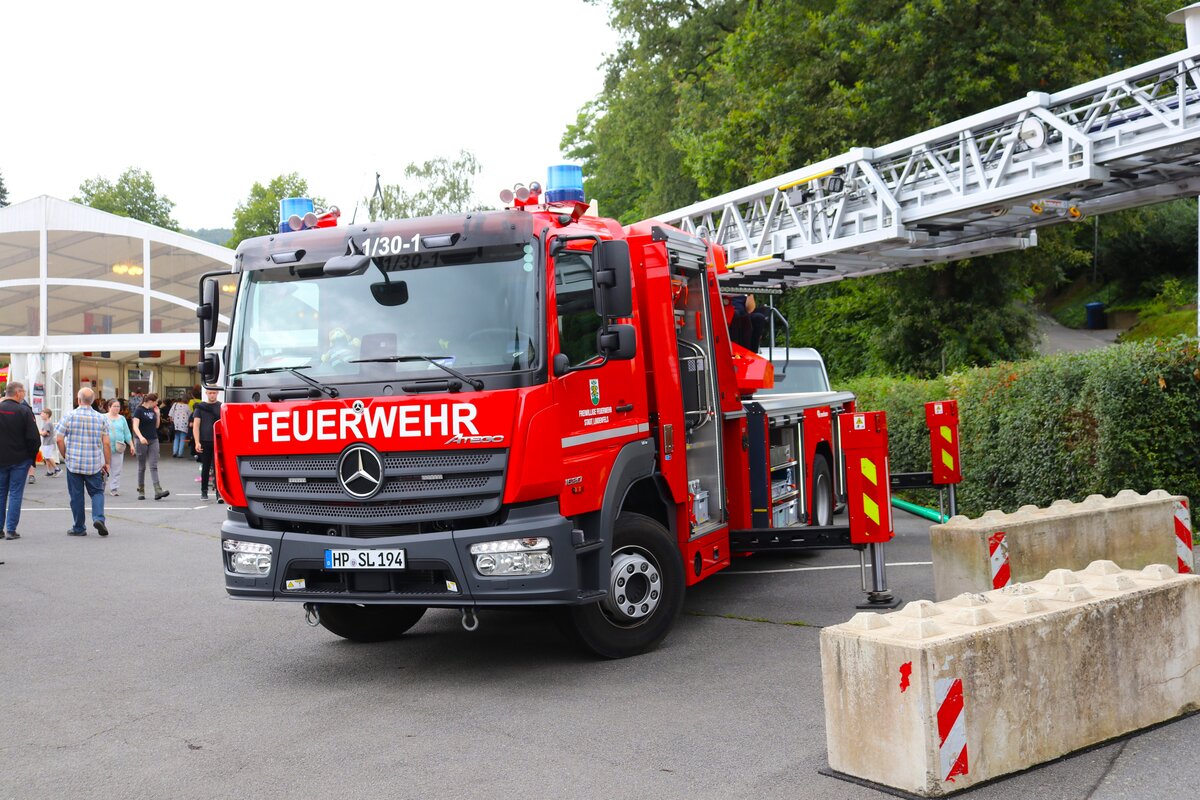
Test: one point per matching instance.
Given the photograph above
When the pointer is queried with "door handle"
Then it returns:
(625, 408)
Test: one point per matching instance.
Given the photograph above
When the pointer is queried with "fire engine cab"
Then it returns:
(527, 407)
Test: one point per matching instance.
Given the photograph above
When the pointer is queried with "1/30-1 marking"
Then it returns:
(390, 246)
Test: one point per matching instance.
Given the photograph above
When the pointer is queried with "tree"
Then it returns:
(445, 188)
(258, 214)
(705, 97)
(132, 195)
(3, 193)
(631, 162)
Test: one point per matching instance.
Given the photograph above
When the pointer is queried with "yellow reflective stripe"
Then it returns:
(947, 460)
(871, 509)
(949, 437)
(868, 471)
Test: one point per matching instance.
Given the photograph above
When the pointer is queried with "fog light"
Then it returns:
(527, 556)
(248, 558)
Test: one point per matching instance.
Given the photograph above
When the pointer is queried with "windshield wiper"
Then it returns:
(474, 383)
(295, 370)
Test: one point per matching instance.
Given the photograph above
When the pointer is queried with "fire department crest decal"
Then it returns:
(594, 391)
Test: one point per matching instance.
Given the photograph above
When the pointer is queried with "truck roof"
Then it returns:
(318, 245)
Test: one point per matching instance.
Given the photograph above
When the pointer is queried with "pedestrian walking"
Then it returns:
(120, 438)
(19, 442)
(145, 431)
(179, 418)
(83, 438)
(49, 447)
(204, 417)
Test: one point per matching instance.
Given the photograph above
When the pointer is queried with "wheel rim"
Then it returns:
(634, 587)
(823, 504)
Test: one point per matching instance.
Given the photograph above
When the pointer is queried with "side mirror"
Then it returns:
(208, 311)
(209, 368)
(614, 278)
(617, 342)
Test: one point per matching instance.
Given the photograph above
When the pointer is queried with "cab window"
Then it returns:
(576, 306)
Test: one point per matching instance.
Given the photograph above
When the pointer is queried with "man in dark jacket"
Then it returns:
(19, 442)
(204, 417)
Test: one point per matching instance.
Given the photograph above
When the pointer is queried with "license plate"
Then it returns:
(364, 559)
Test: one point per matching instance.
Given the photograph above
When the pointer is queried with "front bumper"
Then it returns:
(440, 570)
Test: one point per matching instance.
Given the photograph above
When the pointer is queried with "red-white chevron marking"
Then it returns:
(952, 728)
(998, 555)
(1183, 537)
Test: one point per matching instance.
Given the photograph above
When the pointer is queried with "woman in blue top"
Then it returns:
(119, 438)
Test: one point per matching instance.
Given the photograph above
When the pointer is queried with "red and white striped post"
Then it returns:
(1183, 538)
(952, 728)
(998, 556)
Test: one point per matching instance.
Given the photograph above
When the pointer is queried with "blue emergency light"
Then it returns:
(293, 207)
(564, 183)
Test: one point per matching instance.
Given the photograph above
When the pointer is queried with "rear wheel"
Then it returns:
(822, 499)
(645, 592)
(368, 623)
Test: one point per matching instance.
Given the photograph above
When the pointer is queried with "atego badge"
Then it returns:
(360, 471)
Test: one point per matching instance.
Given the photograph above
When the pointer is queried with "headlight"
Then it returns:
(247, 558)
(527, 556)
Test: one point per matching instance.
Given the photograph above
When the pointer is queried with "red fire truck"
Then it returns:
(527, 407)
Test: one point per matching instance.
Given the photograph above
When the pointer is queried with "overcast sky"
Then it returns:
(211, 97)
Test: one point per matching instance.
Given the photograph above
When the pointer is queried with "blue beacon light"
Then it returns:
(564, 183)
(293, 206)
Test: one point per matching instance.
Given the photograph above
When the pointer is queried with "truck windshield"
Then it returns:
(801, 376)
(474, 310)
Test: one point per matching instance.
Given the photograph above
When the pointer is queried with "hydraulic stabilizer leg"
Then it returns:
(878, 595)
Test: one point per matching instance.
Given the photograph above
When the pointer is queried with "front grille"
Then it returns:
(396, 487)
(321, 512)
(418, 487)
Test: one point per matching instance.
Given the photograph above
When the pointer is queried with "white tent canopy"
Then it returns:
(74, 280)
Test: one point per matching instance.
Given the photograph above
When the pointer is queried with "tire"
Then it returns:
(645, 596)
(368, 623)
(822, 499)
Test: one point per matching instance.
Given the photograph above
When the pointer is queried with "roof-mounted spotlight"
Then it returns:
(837, 181)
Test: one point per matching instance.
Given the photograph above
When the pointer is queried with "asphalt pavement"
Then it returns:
(128, 673)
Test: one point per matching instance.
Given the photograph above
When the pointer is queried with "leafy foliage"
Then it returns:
(213, 235)
(631, 162)
(132, 195)
(444, 188)
(705, 97)
(258, 214)
(1124, 417)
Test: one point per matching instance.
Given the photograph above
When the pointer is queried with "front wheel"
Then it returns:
(645, 592)
(368, 623)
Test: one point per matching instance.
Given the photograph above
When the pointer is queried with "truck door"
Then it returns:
(701, 406)
(603, 406)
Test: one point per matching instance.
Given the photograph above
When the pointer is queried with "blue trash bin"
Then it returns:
(1095, 316)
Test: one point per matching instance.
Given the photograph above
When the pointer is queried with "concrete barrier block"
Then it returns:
(944, 696)
(974, 555)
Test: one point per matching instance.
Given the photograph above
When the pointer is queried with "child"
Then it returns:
(49, 447)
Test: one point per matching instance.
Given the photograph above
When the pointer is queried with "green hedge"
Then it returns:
(1123, 417)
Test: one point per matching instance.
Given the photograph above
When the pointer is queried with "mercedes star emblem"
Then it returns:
(360, 471)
